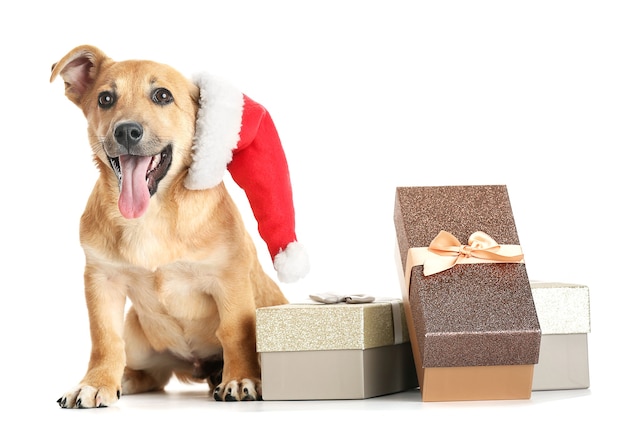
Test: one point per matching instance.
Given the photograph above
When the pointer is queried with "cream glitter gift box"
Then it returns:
(318, 351)
(473, 326)
(564, 316)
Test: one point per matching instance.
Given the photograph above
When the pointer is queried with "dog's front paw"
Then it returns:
(85, 396)
(244, 390)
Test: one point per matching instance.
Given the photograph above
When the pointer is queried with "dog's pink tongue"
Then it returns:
(134, 195)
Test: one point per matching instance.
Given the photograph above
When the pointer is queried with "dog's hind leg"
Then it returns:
(146, 370)
(140, 381)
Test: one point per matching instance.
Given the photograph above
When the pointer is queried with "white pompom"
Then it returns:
(292, 263)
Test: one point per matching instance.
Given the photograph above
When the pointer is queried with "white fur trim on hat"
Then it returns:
(217, 131)
(292, 263)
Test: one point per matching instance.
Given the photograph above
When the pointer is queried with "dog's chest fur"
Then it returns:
(169, 276)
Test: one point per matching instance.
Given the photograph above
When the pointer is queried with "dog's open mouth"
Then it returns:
(139, 177)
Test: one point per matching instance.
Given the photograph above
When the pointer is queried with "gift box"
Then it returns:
(313, 351)
(564, 315)
(472, 321)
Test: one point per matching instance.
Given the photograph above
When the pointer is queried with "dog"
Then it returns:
(182, 257)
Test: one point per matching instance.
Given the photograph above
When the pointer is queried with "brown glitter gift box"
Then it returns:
(473, 327)
(314, 351)
(564, 315)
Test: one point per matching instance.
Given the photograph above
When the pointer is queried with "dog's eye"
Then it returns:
(106, 99)
(162, 96)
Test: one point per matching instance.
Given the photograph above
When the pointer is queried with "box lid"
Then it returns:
(562, 308)
(472, 314)
(314, 326)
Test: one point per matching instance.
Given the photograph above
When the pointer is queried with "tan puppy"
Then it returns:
(182, 257)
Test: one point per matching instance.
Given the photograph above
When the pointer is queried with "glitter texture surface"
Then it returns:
(315, 327)
(474, 314)
(562, 308)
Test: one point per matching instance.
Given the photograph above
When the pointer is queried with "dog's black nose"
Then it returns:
(128, 134)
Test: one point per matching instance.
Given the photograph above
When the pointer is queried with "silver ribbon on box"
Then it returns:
(334, 298)
(396, 304)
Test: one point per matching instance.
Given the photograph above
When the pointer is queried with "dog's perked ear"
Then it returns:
(78, 69)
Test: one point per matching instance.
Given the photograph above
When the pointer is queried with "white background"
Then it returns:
(366, 96)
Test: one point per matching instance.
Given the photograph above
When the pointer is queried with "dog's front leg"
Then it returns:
(241, 376)
(101, 385)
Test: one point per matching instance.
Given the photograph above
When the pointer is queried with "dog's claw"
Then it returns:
(247, 396)
(229, 395)
(244, 390)
(85, 397)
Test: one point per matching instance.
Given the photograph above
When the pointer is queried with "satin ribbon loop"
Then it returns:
(445, 251)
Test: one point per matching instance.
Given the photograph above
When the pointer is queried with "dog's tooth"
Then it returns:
(156, 159)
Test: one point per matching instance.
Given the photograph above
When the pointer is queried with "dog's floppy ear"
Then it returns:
(78, 69)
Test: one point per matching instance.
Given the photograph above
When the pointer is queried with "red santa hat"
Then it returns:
(236, 133)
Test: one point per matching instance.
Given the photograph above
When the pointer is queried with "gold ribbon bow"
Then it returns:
(445, 251)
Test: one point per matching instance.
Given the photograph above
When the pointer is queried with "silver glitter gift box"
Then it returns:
(473, 326)
(564, 315)
(315, 351)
